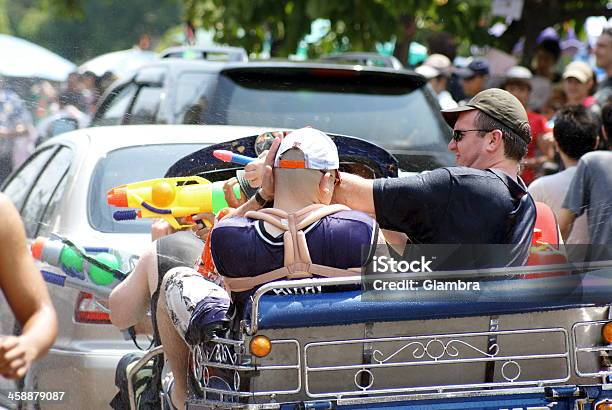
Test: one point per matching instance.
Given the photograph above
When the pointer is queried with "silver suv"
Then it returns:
(388, 106)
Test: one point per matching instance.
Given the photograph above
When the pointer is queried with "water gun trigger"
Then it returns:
(202, 223)
(176, 224)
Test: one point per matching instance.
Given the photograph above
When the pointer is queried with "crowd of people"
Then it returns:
(568, 113)
(42, 111)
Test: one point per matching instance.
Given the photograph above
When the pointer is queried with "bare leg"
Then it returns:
(178, 353)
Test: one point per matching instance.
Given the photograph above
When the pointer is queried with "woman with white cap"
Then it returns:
(578, 82)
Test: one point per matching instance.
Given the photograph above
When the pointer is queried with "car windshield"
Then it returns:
(127, 165)
(391, 112)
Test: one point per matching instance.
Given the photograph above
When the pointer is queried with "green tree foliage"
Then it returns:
(80, 30)
(539, 14)
(4, 21)
(358, 24)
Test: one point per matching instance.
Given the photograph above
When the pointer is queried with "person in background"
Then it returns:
(68, 118)
(575, 134)
(73, 86)
(90, 91)
(547, 55)
(144, 42)
(473, 77)
(17, 132)
(578, 82)
(45, 97)
(590, 192)
(436, 69)
(555, 102)
(105, 81)
(26, 293)
(540, 149)
(603, 60)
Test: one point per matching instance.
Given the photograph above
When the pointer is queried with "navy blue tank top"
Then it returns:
(241, 247)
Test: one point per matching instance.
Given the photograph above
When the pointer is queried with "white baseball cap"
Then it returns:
(319, 150)
(440, 62)
(579, 70)
(519, 73)
(427, 71)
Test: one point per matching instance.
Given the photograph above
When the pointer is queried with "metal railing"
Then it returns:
(595, 350)
(227, 356)
(435, 350)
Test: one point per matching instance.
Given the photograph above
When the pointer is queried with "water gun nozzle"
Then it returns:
(37, 247)
(117, 197)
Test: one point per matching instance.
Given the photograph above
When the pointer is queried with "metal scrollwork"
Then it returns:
(197, 366)
(221, 353)
(422, 349)
(236, 380)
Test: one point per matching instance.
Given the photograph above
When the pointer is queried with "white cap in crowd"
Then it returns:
(579, 70)
(519, 73)
(440, 62)
(427, 71)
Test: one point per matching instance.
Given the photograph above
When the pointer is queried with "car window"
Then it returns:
(18, 187)
(192, 91)
(44, 188)
(115, 109)
(46, 226)
(146, 105)
(379, 109)
(117, 168)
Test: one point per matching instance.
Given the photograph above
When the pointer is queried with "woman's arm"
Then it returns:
(27, 296)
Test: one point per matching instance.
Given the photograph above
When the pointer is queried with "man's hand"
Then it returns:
(267, 182)
(267, 185)
(161, 228)
(253, 171)
(208, 220)
(16, 356)
(228, 191)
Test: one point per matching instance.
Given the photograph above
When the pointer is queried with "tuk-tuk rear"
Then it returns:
(296, 349)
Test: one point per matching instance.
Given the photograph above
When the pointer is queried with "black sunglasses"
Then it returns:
(458, 134)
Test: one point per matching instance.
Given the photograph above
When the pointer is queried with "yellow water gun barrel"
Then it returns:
(168, 198)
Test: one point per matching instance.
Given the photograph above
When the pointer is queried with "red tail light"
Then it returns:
(87, 310)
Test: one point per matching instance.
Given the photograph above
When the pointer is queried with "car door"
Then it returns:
(36, 189)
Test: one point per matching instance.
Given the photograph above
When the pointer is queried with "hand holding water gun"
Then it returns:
(169, 198)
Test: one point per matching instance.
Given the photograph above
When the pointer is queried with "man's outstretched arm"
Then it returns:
(27, 295)
(355, 192)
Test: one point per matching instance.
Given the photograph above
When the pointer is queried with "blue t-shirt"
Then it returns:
(459, 205)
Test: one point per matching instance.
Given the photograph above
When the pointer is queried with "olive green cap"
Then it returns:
(498, 104)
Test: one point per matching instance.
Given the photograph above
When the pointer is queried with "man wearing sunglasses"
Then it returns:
(481, 201)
